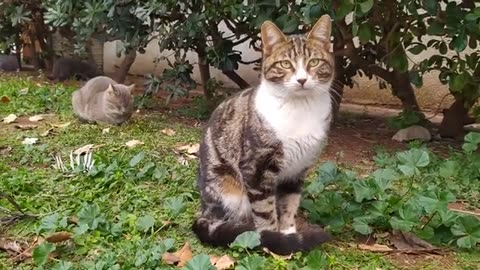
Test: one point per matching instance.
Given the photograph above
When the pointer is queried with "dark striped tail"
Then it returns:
(276, 242)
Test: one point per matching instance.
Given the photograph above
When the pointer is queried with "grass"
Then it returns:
(110, 210)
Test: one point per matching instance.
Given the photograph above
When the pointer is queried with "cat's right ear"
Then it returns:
(271, 35)
(110, 89)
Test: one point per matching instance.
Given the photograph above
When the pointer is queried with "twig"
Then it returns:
(466, 212)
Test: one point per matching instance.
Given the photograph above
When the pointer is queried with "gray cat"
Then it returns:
(102, 100)
(8, 63)
(258, 145)
(66, 68)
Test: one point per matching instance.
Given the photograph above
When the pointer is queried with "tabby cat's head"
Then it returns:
(119, 100)
(298, 64)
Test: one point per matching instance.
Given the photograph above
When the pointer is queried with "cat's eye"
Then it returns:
(285, 64)
(314, 62)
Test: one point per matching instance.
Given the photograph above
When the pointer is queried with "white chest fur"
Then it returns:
(301, 124)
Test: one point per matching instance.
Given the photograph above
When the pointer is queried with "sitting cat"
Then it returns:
(8, 62)
(259, 144)
(65, 68)
(102, 100)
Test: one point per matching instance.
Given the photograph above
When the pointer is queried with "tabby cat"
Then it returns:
(66, 68)
(102, 100)
(259, 144)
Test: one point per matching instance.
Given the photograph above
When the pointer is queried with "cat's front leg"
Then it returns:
(263, 204)
(288, 200)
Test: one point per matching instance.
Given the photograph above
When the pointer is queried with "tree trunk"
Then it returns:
(127, 62)
(18, 51)
(338, 84)
(402, 88)
(204, 69)
(454, 118)
(232, 75)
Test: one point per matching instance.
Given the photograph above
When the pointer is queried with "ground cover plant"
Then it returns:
(130, 204)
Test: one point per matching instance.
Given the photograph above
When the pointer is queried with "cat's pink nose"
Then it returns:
(301, 81)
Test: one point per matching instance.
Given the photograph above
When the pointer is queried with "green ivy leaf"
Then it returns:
(316, 260)
(430, 6)
(436, 28)
(253, 262)
(247, 240)
(417, 48)
(362, 191)
(145, 223)
(41, 252)
(459, 42)
(361, 226)
(366, 6)
(199, 262)
(346, 6)
(90, 216)
(365, 33)
(468, 228)
(383, 178)
(458, 81)
(49, 223)
(400, 224)
(136, 159)
(398, 60)
(412, 160)
(472, 140)
(175, 205)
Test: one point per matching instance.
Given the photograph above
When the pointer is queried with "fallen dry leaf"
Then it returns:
(25, 126)
(133, 143)
(406, 241)
(30, 141)
(105, 130)
(23, 91)
(276, 256)
(10, 246)
(5, 150)
(375, 248)
(10, 118)
(4, 99)
(170, 258)
(36, 118)
(46, 132)
(84, 149)
(169, 132)
(189, 148)
(61, 125)
(58, 237)
(179, 258)
(222, 263)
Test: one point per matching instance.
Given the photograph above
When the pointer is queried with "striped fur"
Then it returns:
(258, 145)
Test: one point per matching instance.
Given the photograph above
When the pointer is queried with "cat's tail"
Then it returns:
(222, 233)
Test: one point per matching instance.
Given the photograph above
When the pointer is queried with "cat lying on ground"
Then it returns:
(259, 144)
(102, 100)
(66, 68)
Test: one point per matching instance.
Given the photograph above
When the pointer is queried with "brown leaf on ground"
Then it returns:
(11, 246)
(222, 263)
(169, 132)
(64, 125)
(25, 126)
(190, 149)
(170, 258)
(59, 237)
(375, 248)
(179, 258)
(10, 118)
(409, 242)
(4, 99)
(4, 150)
(84, 149)
(133, 143)
(36, 118)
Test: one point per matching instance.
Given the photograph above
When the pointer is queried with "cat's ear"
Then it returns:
(271, 35)
(111, 90)
(321, 31)
(131, 88)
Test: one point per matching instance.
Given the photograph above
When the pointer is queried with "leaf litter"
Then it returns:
(180, 257)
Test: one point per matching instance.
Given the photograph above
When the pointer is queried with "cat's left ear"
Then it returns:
(131, 88)
(110, 89)
(271, 35)
(321, 31)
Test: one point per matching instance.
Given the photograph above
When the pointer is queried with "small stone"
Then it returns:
(412, 133)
